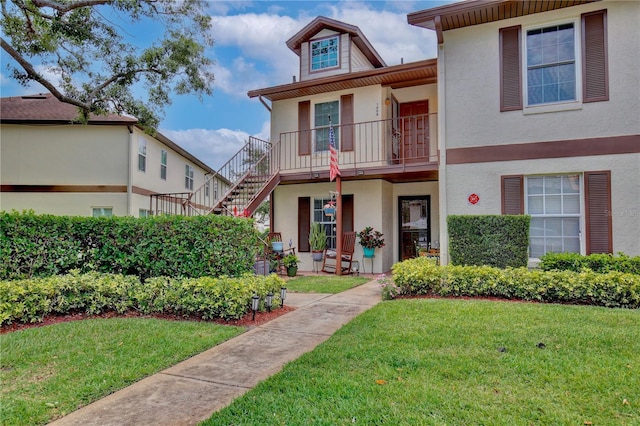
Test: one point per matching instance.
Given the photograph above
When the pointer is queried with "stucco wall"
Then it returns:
(484, 180)
(64, 155)
(67, 204)
(472, 84)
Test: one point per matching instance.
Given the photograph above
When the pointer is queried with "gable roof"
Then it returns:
(404, 75)
(321, 22)
(46, 108)
(475, 12)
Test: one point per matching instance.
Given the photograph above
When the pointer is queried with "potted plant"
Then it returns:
(317, 241)
(290, 262)
(370, 239)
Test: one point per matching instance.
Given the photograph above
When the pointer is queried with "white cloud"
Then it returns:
(213, 147)
(260, 57)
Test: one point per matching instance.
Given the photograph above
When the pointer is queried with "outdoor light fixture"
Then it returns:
(283, 294)
(255, 301)
(269, 300)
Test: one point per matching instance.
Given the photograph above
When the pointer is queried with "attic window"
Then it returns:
(324, 53)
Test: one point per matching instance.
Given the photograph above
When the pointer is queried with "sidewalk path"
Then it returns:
(191, 391)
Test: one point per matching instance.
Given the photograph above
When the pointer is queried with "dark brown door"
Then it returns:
(414, 131)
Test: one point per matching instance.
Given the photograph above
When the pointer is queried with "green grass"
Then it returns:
(441, 364)
(48, 372)
(324, 284)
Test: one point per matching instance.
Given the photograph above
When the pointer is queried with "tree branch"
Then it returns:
(34, 75)
(64, 8)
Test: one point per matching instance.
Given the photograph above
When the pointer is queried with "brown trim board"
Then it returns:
(63, 188)
(540, 150)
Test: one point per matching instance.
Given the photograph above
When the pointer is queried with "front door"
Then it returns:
(414, 215)
(414, 130)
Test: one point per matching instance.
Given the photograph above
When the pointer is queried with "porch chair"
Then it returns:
(348, 247)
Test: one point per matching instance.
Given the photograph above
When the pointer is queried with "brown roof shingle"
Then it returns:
(45, 108)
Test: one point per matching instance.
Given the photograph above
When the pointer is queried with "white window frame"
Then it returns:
(102, 211)
(144, 213)
(207, 188)
(188, 177)
(142, 155)
(329, 225)
(564, 105)
(580, 216)
(321, 61)
(320, 128)
(163, 164)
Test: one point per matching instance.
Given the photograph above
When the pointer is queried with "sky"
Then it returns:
(250, 53)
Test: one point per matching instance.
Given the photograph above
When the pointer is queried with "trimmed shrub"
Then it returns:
(611, 289)
(43, 245)
(493, 240)
(30, 300)
(596, 262)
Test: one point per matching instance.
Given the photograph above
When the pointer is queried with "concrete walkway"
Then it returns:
(191, 391)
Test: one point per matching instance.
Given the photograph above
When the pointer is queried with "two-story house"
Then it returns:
(108, 166)
(385, 125)
(531, 107)
(540, 114)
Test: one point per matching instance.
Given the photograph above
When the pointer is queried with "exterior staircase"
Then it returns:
(238, 188)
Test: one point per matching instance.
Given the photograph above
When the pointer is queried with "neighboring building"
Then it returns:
(539, 114)
(106, 167)
(460, 135)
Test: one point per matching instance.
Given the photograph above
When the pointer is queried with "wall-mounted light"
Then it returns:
(387, 101)
(316, 175)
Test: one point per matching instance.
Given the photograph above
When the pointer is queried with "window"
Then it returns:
(325, 113)
(324, 53)
(563, 65)
(207, 188)
(551, 64)
(188, 177)
(554, 205)
(142, 154)
(163, 164)
(143, 213)
(102, 211)
(327, 222)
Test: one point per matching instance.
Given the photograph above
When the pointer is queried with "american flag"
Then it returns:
(334, 169)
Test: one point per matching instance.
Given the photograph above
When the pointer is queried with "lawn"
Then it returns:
(459, 362)
(47, 372)
(324, 283)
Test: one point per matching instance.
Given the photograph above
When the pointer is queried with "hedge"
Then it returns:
(596, 262)
(611, 289)
(494, 240)
(43, 245)
(30, 300)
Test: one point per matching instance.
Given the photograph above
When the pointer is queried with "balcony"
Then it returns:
(398, 149)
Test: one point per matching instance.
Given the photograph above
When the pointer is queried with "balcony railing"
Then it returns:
(396, 143)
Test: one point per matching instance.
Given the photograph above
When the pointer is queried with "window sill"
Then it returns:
(542, 109)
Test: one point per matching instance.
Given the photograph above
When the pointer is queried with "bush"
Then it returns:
(596, 262)
(44, 245)
(611, 289)
(30, 300)
(493, 240)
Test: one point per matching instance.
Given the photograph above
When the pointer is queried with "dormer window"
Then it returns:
(324, 53)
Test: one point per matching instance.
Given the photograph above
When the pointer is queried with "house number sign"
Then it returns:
(473, 199)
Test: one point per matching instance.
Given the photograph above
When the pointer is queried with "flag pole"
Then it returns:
(339, 225)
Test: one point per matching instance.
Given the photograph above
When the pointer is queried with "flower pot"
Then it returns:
(317, 255)
(292, 271)
(277, 245)
(368, 251)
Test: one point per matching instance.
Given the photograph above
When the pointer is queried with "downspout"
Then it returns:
(129, 171)
(442, 167)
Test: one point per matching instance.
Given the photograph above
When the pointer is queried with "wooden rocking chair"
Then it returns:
(330, 255)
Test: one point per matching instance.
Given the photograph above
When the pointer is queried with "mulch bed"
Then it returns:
(245, 321)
